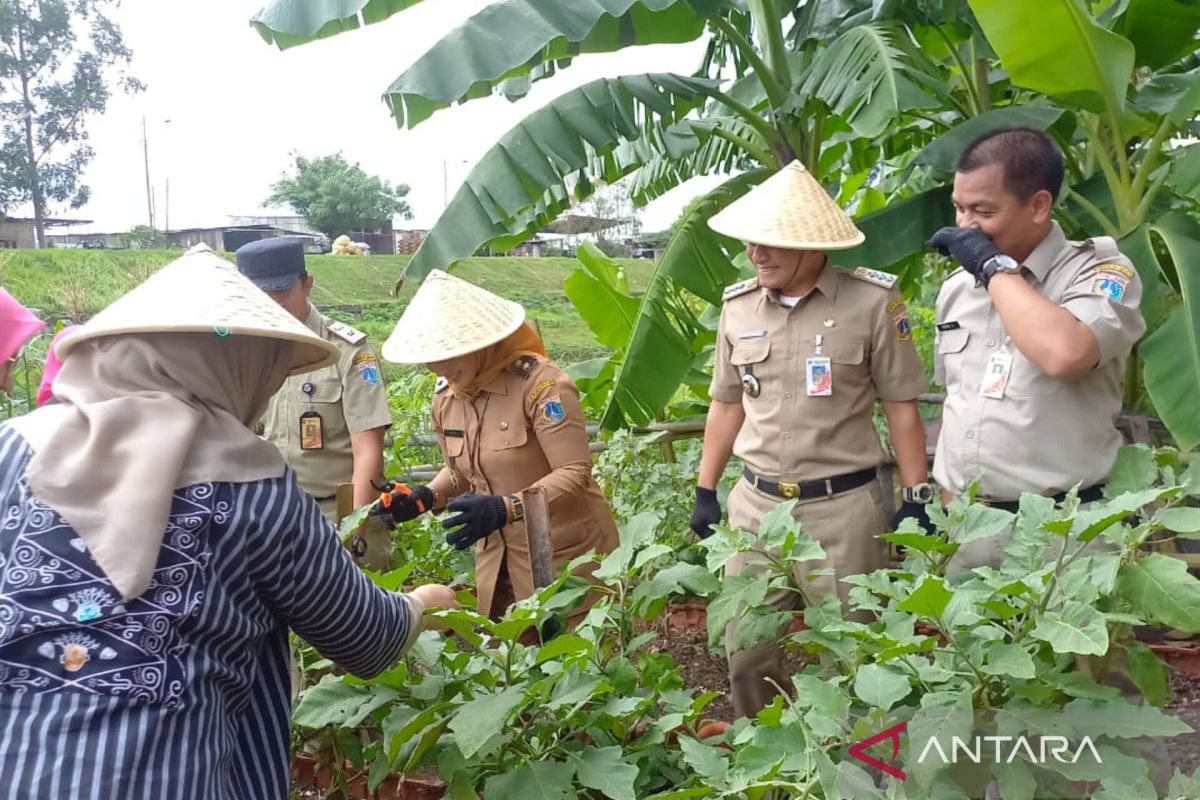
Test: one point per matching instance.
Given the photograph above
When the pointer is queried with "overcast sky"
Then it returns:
(238, 107)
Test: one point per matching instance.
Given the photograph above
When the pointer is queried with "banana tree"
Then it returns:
(1127, 85)
(844, 92)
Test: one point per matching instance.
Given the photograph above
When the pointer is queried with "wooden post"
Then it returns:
(537, 530)
(344, 495)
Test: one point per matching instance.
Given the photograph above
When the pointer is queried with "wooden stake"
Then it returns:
(537, 529)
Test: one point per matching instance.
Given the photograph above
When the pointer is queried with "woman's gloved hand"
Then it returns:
(479, 516)
(398, 503)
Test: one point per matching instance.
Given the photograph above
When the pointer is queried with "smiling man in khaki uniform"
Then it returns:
(1033, 334)
(803, 351)
(508, 419)
(328, 424)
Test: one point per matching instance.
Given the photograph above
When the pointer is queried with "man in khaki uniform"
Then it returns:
(508, 419)
(1032, 336)
(328, 424)
(803, 351)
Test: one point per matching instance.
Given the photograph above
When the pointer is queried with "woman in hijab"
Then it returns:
(17, 326)
(507, 419)
(154, 553)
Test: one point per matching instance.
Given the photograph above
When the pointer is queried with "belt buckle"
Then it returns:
(789, 490)
(828, 487)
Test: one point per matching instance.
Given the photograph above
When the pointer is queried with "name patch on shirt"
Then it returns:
(453, 433)
(948, 326)
(752, 334)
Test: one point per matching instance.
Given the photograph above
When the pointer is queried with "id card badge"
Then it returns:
(997, 372)
(312, 431)
(818, 376)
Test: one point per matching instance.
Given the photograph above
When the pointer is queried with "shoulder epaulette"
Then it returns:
(440, 385)
(878, 277)
(740, 288)
(345, 332)
(524, 366)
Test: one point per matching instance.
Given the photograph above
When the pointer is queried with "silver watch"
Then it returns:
(998, 263)
(921, 493)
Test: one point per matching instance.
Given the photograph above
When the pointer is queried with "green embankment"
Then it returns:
(74, 284)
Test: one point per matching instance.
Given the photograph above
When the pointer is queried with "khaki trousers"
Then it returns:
(846, 526)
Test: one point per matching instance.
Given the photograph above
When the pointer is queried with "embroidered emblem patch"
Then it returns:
(536, 391)
(369, 373)
(903, 327)
(878, 277)
(1110, 286)
(895, 303)
(1118, 269)
(552, 410)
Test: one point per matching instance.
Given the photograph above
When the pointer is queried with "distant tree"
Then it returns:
(144, 237)
(56, 70)
(612, 202)
(337, 197)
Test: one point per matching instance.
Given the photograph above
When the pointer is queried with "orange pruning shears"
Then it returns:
(388, 489)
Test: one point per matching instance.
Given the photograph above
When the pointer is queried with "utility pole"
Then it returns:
(167, 209)
(146, 162)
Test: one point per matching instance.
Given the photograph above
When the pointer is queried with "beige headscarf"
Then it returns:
(141, 416)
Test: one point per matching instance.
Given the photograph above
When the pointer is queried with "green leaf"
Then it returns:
(333, 702)
(1161, 590)
(544, 780)
(678, 579)
(1133, 471)
(1091, 523)
(929, 599)
(1162, 31)
(898, 231)
(1148, 672)
(708, 761)
(1172, 353)
(604, 770)
(1009, 659)
(514, 42)
(354, 519)
(824, 697)
(941, 722)
(943, 152)
(759, 625)
(739, 592)
(861, 76)
(778, 523)
(287, 23)
(563, 645)
(1056, 48)
(524, 180)
(1119, 719)
(653, 363)
(982, 522)
(1180, 520)
(880, 687)
(478, 720)
(608, 311)
(1078, 628)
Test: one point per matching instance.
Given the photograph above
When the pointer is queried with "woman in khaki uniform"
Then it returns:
(507, 419)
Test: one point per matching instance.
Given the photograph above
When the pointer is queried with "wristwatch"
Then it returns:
(921, 493)
(998, 263)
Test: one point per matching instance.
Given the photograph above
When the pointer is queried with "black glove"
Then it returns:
(401, 507)
(915, 511)
(970, 247)
(706, 513)
(479, 516)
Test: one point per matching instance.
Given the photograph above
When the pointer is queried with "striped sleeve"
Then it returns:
(306, 576)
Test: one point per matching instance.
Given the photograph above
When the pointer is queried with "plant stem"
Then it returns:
(1152, 157)
(972, 94)
(763, 156)
(776, 94)
(1107, 225)
(770, 135)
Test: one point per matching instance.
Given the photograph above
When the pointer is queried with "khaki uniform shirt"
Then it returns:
(864, 329)
(349, 396)
(524, 429)
(1045, 434)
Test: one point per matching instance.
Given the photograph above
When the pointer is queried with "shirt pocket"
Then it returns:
(1028, 379)
(327, 390)
(950, 347)
(752, 357)
(510, 438)
(843, 350)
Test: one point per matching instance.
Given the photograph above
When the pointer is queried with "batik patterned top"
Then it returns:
(184, 691)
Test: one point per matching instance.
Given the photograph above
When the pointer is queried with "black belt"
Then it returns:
(323, 499)
(807, 490)
(1088, 495)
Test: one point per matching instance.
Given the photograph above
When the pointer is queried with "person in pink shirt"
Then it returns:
(17, 326)
(53, 365)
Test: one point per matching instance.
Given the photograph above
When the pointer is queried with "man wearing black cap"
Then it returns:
(328, 424)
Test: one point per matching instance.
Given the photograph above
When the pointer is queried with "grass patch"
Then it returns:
(74, 284)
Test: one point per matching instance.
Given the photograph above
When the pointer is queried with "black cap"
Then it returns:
(273, 264)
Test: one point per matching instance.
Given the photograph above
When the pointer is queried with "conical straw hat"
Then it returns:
(788, 209)
(200, 292)
(449, 317)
